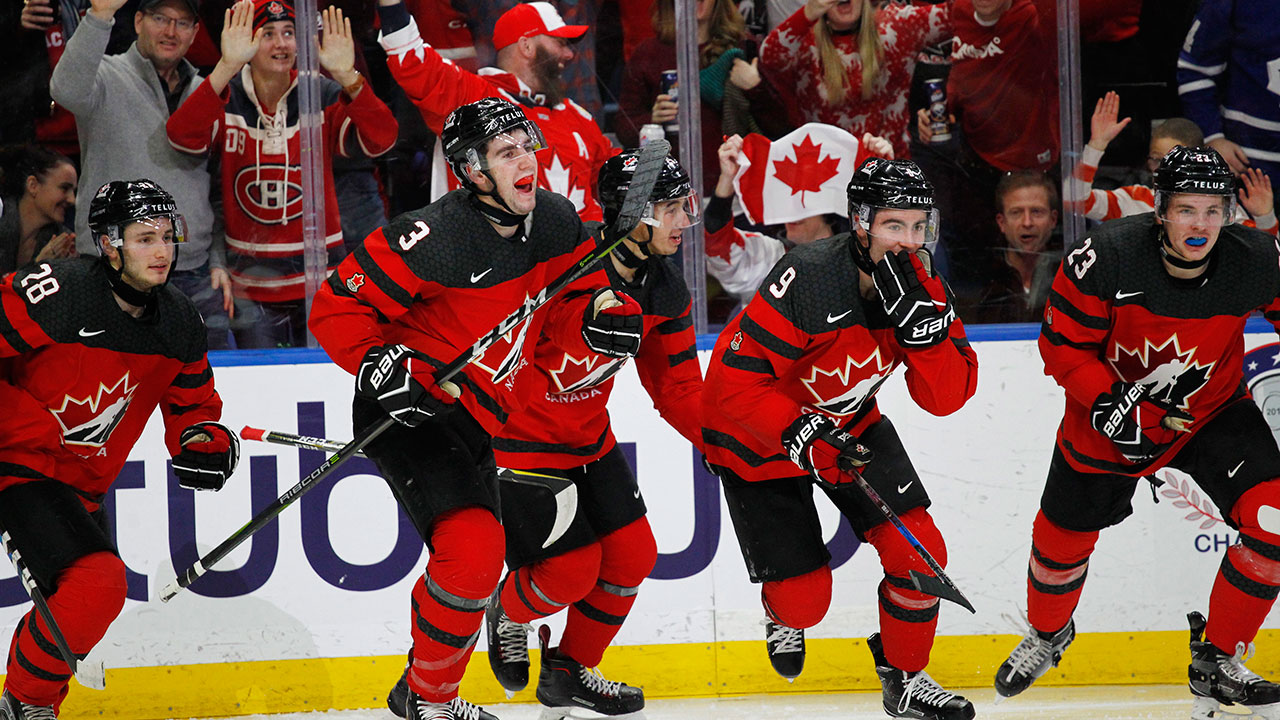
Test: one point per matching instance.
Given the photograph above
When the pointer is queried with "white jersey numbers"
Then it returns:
(1082, 258)
(45, 286)
(407, 243)
(779, 288)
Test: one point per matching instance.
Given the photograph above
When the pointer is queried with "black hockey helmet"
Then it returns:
(121, 202)
(1195, 171)
(615, 177)
(889, 184)
(469, 128)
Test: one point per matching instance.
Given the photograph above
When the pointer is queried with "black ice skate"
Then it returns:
(786, 649)
(13, 709)
(398, 698)
(569, 690)
(1032, 658)
(915, 694)
(1218, 679)
(455, 709)
(508, 646)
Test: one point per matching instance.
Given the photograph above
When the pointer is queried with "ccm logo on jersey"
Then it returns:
(267, 194)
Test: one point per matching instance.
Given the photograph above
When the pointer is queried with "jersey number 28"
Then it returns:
(42, 289)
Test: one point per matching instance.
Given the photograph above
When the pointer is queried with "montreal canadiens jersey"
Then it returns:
(565, 423)
(79, 377)
(439, 278)
(810, 342)
(1114, 313)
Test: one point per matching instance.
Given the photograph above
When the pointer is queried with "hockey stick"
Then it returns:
(939, 586)
(89, 674)
(562, 490)
(648, 166)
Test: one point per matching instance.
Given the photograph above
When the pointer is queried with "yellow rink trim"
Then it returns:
(730, 668)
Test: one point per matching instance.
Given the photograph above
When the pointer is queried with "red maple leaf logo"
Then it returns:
(808, 171)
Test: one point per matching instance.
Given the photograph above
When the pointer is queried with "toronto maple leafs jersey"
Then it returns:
(79, 377)
(437, 279)
(810, 342)
(565, 423)
(1115, 313)
(1229, 76)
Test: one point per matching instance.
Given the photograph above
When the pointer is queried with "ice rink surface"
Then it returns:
(1113, 702)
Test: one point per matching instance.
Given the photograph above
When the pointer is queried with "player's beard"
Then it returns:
(547, 69)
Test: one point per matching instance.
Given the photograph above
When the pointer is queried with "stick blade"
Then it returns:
(930, 585)
(91, 675)
(649, 164)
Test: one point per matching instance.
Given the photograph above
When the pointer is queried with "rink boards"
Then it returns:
(312, 613)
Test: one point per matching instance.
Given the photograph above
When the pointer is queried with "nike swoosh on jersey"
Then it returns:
(1122, 295)
(84, 332)
(476, 278)
(1232, 472)
(904, 488)
(834, 318)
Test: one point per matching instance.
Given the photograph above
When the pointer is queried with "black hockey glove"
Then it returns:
(613, 324)
(1140, 427)
(402, 385)
(210, 452)
(914, 299)
(823, 450)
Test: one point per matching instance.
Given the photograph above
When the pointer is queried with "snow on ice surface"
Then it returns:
(1164, 702)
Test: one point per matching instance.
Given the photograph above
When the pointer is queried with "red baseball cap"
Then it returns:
(530, 19)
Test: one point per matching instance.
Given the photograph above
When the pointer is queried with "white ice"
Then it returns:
(1145, 702)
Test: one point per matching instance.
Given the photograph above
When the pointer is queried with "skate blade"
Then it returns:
(1207, 708)
(578, 713)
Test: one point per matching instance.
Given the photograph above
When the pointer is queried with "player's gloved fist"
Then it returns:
(1139, 426)
(613, 324)
(823, 450)
(914, 299)
(402, 385)
(210, 452)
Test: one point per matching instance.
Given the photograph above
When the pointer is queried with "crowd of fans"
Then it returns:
(201, 97)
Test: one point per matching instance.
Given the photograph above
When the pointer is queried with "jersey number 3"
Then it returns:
(45, 286)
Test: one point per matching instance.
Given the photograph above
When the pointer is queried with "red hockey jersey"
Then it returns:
(1114, 313)
(79, 377)
(436, 86)
(261, 164)
(809, 342)
(439, 278)
(1003, 86)
(565, 423)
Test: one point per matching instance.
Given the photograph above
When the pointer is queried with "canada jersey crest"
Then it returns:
(576, 374)
(843, 388)
(90, 420)
(1171, 374)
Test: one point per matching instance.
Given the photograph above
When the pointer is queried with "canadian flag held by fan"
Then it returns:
(799, 175)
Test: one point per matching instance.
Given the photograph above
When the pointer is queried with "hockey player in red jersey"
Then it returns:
(90, 348)
(1143, 331)
(410, 299)
(596, 566)
(533, 44)
(790, 390)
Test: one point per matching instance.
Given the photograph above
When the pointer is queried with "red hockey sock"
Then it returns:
(1056, 573)
(800, 601)
(449, 602)
(627, 556)
(91, 593)
(1243, 593)
(543, 588)
(908, 617)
